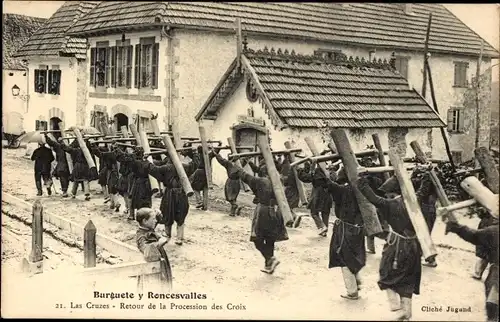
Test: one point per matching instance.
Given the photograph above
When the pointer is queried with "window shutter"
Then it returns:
(137, 66)
(58, 90)
(455, 78)
(450, 120)
(154, 65)
(50, 80)
(37, 76)
(128, 71)
(113, 68)
(45, 84)
(92, 66)
(461, 124)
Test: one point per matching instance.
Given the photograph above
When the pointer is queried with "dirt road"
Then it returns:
(218, 259)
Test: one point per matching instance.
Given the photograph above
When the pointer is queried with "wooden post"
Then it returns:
(89, 245)
(145, 145)
(332, 147)
(135, 133)
(37, 232)
(156, 128)
(367, 209)
(300, 185)
(232, 146)
(274, 176)
(315, 152)
(124, 130)
(186, 185)
(483, 195)
(381, 157)
(206, 159)
(68, 156)
(488, 165)
(176, 136)
(86, 153)
(413, 206)
(441, 194)
(441, 211)
(103, 125)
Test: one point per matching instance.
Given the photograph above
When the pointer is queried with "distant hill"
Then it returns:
(16, 30)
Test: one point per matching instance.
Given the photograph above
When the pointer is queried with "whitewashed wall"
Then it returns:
(11, 103)
(238, 104)
(41, 103)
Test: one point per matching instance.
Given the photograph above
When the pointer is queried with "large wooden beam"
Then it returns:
(135, 134)
(232, 146)
(381, 157)
(413, 206)
(68, 156)
(300, 185)
(274, 176)
(145, 145)
(315, 152)
(124, 130)
(174, 157)
(444, 211)
(441, 194)
(206, 158)
(86, 153)
(490, 169)
(367, 209)
(257, 153)
(483, 195)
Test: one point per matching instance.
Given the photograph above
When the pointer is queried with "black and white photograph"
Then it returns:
(250, 160)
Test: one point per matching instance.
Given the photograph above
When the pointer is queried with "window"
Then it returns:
(98, 62)
(41, 79)
(455, 120)
(41, 125)
(146, 63)
(461, 74)
(54, 81)
(48, 80)
(402, 66)
(332, 54)
(124, 64)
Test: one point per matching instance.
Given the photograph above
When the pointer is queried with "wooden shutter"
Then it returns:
(49, 81)
(154, 65)
(37, 76)
(128, 70)
(44, 73)
(450, 120)
(461, 124)
(113, 69)
(57, 73)
(92, 66)
(137, 66)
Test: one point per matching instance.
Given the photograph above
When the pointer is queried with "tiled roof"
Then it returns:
(16, 30)
(382, 25)
(50, 40)
(312, 91)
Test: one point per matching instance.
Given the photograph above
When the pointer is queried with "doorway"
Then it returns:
(54, 125)
(120, 120)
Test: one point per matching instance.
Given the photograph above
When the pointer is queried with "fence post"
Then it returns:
(36, 257)
(89, 245)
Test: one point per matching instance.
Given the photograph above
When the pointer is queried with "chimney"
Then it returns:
(408, 8)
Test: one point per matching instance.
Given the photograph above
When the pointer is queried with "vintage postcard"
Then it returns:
(250, 160)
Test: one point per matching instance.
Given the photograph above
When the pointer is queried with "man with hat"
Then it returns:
(43, 158)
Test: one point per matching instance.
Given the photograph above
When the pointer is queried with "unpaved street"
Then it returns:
(218, 259)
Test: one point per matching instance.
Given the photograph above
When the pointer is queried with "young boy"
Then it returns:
(146, 237)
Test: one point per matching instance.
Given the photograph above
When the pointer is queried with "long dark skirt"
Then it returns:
(491, 280)
(321, 201)
(405, 278)
(232, 189)
(174, 206)
(122, 185)
(268, 224)
(103, 176)
(112, 181)
(482, 251)
(140, 193)
(198, 180)
(61, 170)
(131, 180)
(292, 196)
(347, 247)
(429, 212)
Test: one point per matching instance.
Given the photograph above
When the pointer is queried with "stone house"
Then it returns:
(297, 96)
(16, 30)
(165, 58)
(57, 70)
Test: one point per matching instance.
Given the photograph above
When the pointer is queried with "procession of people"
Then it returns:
(127, 174)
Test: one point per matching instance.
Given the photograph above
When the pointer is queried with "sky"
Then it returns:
(483, 18)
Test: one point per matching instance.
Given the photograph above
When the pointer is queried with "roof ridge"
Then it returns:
(339, 60)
